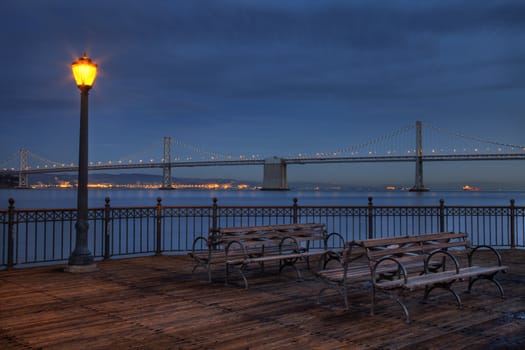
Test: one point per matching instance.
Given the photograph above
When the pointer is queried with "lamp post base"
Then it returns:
(81, 268)
(79, 263)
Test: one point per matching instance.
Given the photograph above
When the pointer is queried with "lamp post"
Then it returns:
(81, 259)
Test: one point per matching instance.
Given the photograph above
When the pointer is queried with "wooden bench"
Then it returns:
(401, 265)
(239, 247)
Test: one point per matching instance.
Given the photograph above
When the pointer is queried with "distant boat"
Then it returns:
(470, 188)
(390, 188)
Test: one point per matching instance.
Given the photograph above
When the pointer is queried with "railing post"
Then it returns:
(294, 211)
(370, 218)
(441, 215)
(159, 227)
(512, 224)
(107, 221)
(11, 233)
(214, 216)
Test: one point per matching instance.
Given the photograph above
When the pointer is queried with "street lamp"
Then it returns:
(81, 259)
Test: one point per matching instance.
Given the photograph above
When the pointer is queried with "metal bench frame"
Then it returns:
(399, 266)
(239, 247)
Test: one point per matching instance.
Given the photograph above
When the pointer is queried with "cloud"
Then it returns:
(207, 68)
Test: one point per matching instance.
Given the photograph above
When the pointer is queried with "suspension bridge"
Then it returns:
(390, 147)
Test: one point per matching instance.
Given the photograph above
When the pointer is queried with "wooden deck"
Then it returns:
(155, 303)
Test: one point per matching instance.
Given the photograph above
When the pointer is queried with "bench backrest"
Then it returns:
(300, 232)
(410, 246)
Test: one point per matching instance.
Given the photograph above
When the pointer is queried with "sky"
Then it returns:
(264, 78)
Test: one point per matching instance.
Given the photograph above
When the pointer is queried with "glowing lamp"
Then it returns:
(85, 72)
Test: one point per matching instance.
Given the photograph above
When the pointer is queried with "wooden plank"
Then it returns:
(408, 239)
(153, 302)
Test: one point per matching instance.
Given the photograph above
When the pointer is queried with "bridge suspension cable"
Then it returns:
(474, 138)
(148, 151)
(391, 136)
(198, 150)
(45, 160)
(10, 161)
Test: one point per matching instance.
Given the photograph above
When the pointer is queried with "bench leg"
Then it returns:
(373, 301)
(397, 298)
(290, 262)
(446, 286)
(207, 267)
(405, 309)
(488, 278)
(226, 274)
(241, 272)
(341, 290)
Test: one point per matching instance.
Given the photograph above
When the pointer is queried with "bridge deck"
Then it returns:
(154, 303)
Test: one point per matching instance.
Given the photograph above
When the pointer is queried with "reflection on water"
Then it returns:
(66, 198)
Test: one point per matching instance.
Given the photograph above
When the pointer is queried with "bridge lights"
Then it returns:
(81, 259)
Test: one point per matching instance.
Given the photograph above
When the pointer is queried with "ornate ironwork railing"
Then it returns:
(46, 236)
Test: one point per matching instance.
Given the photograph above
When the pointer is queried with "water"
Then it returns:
(66, 198)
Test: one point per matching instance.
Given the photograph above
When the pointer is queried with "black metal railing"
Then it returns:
(45, 236)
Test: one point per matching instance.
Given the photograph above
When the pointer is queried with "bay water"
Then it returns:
(66, 198)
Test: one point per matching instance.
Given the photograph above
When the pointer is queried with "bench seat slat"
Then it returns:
(423, 248)
(375, 242)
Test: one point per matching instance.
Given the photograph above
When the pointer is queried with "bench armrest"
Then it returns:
(378, 270)
(481, 247)
(231, 252)
(289, 243)
(333, 255)
(445, 254)
(336, 238)
(197, 242)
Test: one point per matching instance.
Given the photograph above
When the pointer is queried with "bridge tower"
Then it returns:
(166, 168)
(275, 178)
(419, 187)
(23, 178)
